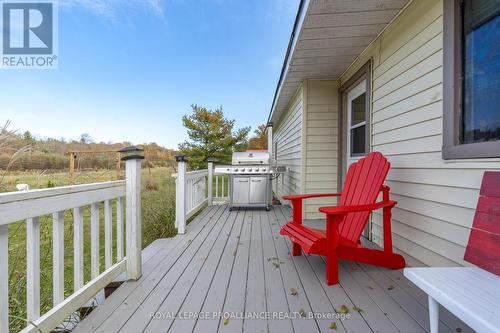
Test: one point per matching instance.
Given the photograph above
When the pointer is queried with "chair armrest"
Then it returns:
(297, 203)
(344, 210)
(309, 196)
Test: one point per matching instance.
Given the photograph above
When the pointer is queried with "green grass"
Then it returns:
(158, 213)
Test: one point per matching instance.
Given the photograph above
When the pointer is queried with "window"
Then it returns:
(358, 125)
(471, 79)
(354, 119)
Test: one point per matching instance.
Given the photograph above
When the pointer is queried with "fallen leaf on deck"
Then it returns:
(369, 287)
(275, 264)
(189, 241)
(343, 309)
(333, 325)
(355, 308)
(293, 292)
(391, 287)
(302, 313)
(458, 329)
(226, 321)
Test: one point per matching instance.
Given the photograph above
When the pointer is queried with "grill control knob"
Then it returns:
(249, 169)
(264, 169)
(242, 169)
(236, 169)
(257, 169)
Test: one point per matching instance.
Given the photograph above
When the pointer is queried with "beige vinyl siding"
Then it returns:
(288, 142)
(321, 143)
(436, 198)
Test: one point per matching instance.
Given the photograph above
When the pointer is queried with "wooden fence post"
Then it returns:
(210, 180)
(118, 165)
(180, 194)
(132, 157)
(72, 158)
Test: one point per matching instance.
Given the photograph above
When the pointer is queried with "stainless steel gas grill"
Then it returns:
(250, 176)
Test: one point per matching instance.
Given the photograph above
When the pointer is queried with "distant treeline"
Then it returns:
(52, 154)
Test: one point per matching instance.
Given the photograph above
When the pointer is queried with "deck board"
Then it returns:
(237, 262)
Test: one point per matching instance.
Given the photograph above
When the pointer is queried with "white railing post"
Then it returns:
(133, 157)
(180, 194)
(210, 180)
(4, 278)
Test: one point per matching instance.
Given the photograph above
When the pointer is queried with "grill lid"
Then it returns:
(251, 158)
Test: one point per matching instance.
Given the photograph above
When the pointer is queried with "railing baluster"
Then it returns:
(119, 229)
(188, 187)
(223, 181)
(33, 268)
(4, 278)
(108, 234)
(217, 186)
(58, 257)
(78, 248)
(94, 240)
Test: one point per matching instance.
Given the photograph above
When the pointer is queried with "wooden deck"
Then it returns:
(237, 263)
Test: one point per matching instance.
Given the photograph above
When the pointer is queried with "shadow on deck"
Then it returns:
(236, 263)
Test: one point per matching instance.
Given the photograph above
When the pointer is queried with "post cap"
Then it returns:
(181, 158)
(211, 159)
(132, 153)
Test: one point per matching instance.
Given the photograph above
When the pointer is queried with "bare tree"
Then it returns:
(7, 138)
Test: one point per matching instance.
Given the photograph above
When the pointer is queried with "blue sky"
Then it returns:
(129, 70)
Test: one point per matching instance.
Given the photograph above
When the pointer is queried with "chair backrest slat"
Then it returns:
(361, 187)
(483, 247)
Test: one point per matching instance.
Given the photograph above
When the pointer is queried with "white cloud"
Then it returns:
(109, 8)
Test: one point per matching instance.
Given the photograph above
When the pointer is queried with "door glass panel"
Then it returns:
(358, 109)
(358, 137)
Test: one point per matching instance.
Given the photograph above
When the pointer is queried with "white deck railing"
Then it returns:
(195, 189)
(31, 205)
(221, 191)
(190, 193)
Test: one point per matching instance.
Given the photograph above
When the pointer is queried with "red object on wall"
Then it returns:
(345, 222)
(483, 247)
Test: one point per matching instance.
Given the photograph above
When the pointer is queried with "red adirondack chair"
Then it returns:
(345, 222)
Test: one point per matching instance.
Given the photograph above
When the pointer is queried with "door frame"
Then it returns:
(364, 73)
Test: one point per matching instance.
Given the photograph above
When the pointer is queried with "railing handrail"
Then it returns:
(194, 173)
(17, 206)
(48, 192)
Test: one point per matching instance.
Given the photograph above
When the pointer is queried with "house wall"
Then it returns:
(321, 138)
(436, 198)
(288, 146)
